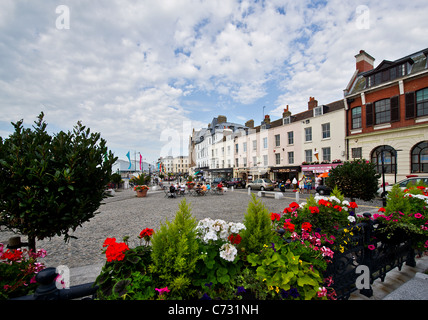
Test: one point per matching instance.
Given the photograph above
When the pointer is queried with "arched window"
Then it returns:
(389, 158)
(420, 157)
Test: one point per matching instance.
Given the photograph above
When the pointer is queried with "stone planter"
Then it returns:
(141, 193)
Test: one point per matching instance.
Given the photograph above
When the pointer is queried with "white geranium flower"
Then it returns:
(351, 218)
(228, 252)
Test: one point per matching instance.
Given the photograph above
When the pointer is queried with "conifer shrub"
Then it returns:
(175, 252)
(258, 226)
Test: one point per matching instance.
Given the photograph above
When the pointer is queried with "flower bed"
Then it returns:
(18, 269)
(268, 256)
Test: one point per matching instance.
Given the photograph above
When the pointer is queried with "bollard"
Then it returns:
(249, 191)
(297, 196)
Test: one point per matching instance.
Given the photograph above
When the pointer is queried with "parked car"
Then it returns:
(403, 184)
(236, 183)
(323, 190)
(261, 184)
(216, 181)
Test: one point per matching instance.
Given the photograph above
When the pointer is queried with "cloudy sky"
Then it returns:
(144, 73)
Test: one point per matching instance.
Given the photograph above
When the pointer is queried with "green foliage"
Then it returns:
(289, 267)
(396, 201)
(127, 279)
(258, 226)
(50, 185)
(141, 179)
(355, 179)
(176, 251)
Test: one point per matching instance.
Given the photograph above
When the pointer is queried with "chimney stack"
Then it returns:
(364, 61)
(250, 124)
(286, 113)
(312, 103)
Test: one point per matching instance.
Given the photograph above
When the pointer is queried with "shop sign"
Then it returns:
(319, 168)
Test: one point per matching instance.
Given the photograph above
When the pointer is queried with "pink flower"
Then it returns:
(162, 290)
(371, 247)
(322, 292)
(327, 252)
(418, 215)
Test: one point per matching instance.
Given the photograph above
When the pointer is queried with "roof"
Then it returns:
(417, 62)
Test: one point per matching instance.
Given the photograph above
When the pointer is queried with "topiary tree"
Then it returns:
(50, 185)
(355, 179)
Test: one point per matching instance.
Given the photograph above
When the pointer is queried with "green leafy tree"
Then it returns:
(50, 185)
(355, 179)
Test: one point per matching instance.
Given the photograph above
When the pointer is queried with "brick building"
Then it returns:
(387, 114)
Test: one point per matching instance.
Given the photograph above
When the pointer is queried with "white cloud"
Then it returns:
(131, 69)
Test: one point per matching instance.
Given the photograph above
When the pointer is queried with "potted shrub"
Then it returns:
(190, 183)
(141, 190)
(141, 182)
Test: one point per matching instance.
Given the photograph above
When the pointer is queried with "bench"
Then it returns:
(277, 195)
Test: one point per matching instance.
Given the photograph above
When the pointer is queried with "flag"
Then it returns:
(129, 158)
(141, 158)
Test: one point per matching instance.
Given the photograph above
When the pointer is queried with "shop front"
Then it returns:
(314, 172)
(285, 173)
(226, 173)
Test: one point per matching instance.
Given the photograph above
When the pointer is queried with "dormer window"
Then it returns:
(286, 120)
(318, 111)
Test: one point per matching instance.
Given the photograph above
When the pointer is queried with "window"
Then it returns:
(356, 118)
(286, 120)
(318, 111)
(382, 111)
(389, 159)
(277, 140)
(254, 161)
(236, 148)
(245, 162)
(265, 160)
(245, 147)
(277, 158)
(308, 134)
(254, 144)
(291, 157)
(308, 155)
(290, 137)
(326, 154)
(236, 162)
(265, 143)
(357, 153)
(420, 157)
(325, 128)
(422, 102)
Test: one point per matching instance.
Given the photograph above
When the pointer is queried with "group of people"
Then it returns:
(200, 189)
(304, 185)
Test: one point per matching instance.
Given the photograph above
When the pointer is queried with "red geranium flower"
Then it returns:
(338, 208)
(381, 210)
(353, 205)
(314, 209)
(289, 226)
(306, 226)
(115, 250)
(146, 233)
(275, 216)
(235, 239)
(294, 205)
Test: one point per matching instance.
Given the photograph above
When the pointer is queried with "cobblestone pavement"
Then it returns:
(126, 215)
